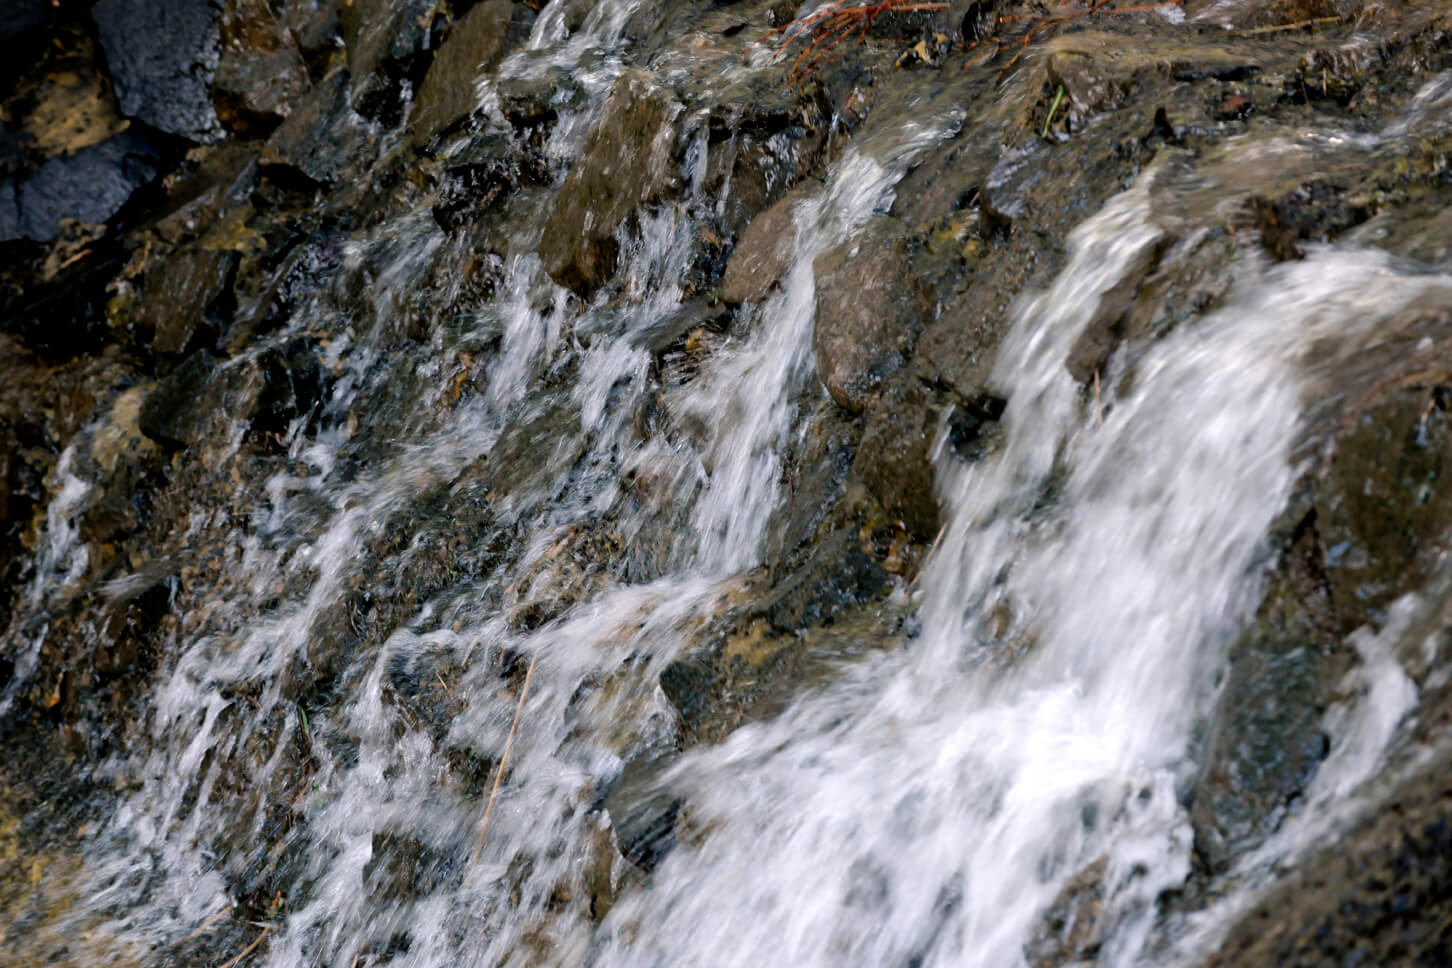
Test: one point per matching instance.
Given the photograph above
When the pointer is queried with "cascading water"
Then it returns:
(927, 806)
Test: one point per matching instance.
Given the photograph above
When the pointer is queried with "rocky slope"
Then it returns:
(234, 235)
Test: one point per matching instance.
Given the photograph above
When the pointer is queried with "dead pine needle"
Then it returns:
(249, 949)
(499, 771)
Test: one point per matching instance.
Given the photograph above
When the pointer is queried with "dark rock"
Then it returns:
(260, 71)
(290, 382)
(898, 451)
(629, 161)
(162, 55)
(764, 253)
(1379, 894)
(169, 415)
(89, 186)
(387, 43)
(1267, 741)
(1384, 507)
(839, 575)
(871, 306)
(472, 47)
(642, 812)
(480, 177)
(178, 294)
(322, 137)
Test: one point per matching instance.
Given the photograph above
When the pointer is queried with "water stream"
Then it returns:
(926, 807)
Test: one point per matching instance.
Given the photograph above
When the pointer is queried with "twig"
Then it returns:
(1277, 28)
(499, 772)
(207, 924)
(249, 949)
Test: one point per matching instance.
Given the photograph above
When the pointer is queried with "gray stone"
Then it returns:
(88, 186)
(162, 55)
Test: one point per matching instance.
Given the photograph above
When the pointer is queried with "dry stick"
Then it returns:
(207, 924)
(1276, 28)
(499, 773)
(248, 950)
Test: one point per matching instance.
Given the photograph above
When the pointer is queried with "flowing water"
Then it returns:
(924, 808)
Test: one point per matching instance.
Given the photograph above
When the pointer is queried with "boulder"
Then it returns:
(387, 42)
(261, 69)
(321, 138)
(898, 452)
(764, 254)
(162, 55)
(178, 294)
(629, 161)
(447, 95)
(871, 306)
(88, 186)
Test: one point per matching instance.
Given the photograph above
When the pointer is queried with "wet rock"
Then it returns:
(841, 573)
(753, 671)
(1268, 741)
(900, 445)
(387, 44)
(1384, 507)
(642, 812)
(1071, 933)
(764, 253)
(168, 416)
(483, 174)
(178, 295)
(89, 186)
(322, 137)
(201, 397)
(260, 70)
(402, 868)
(162, 55)
(1380, 894)
(1316, 211)
(1098, 71)
(472, 47)
(871, 306)
(628, 162)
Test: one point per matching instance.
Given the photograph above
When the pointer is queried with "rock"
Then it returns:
(202, 395)
(88, 186)
(447, 94)
(169, 414)
(896, 456)
(321, 138)
(871, 306)
(162, 55)
(1267, 741)
(764, 254)
(178, 294)
(627, 162)
(642, 812)
(1384, 507)
(1379, 894)
(260, 71)
(387, 42)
